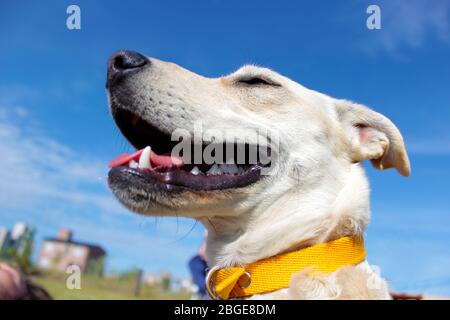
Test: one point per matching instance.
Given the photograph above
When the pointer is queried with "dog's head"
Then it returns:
(220, 146)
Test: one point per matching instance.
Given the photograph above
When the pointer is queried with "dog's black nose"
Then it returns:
(125, 60)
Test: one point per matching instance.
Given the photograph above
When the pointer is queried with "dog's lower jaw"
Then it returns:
(286, 225)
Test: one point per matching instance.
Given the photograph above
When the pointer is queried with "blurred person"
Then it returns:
(198, 266)
(14, 285)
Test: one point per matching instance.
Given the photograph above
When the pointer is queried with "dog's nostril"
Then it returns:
(128, 60)
(124, 60)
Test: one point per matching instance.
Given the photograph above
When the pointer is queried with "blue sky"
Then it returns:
(56, 135)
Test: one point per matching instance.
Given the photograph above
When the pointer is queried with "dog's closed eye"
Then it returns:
(256, 81)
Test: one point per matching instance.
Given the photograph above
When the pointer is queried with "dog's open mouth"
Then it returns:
(155, 162)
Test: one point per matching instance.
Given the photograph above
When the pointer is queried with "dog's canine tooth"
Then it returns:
(133, 164)
(214, 170)
(195, 170)
(144, 159)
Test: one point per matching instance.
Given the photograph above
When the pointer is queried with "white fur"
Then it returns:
(317, 191)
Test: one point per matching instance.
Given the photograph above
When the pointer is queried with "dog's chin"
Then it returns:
(145, 195)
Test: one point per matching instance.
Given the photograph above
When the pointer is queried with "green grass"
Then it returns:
(93, 287)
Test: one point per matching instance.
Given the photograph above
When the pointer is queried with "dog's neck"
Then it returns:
(290, 222)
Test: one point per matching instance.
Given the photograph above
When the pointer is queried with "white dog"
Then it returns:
(311, 191)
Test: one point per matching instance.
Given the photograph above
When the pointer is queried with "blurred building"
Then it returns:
(18, 231)
(17, 238)
(4, 238)
(21, 235)
(60, 252)
(152, 279)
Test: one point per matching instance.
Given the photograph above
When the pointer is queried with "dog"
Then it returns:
(311, 191)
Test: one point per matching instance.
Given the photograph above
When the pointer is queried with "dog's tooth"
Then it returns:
(234, 168)
(133, 164)
(210, 171)
(144, 159)
(229, 168)
(217, 170)
(214, 170)
(195, 171)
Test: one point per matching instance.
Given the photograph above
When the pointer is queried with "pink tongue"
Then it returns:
(155, 159)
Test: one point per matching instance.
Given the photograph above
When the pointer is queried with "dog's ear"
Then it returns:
(373, 137)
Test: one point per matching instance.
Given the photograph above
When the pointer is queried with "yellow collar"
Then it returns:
(275, 273)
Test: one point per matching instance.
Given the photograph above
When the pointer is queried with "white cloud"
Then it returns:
(50, 185)
(409, 24)
(411, 264)
(9, 94)
(435, 146)
(33, 166)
